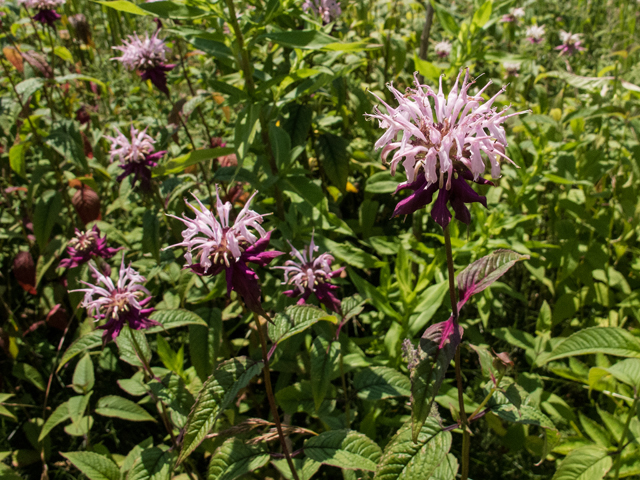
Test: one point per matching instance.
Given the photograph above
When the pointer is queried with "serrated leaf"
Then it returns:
(437, 348)
(377, 383)
(127, 350)
(607, 340)
(59, 415)
(526, 414)
(154, 464)
(94, 466)
(352, 306)
(119, 407)
(296, 319)
(79, 427)
(174, 319)
(204, 343)
(216, 394)
(404, 459)
(299, 398)
(323, 356)
(447, 470)
(305, 467)
(346, 449)
(234, 458)
(83, 375)
(28, 373)
(86, 342)
(482, 273)
(585, 463)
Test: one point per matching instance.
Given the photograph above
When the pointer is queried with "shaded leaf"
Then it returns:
(296, 319)
(94, 466)
(118, 407)
(346, 449)
(377, 383)
(585, 463)
(607, 340)
(235, 458)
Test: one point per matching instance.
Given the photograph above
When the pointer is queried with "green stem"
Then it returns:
(621, 444)
(486, 399)
(272, 400)
(466, 439)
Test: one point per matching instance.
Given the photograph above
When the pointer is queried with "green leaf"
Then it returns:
(47, 212)
(214, 397)
(585, 463)
(151, 240)
(448, 22)
(352, 306)
(245, 131)
(174, 319)
(305, 467)
(28, 87)
(377, 383)
(83, 375)
(78, 76)
(94, 466)
(346, 449)
(63, 53)
(482, 273)
(607, 340)
(429, 302)
(166, 9)
(17, 155)
(154, 464)
(79, 427)
(447, 470)
(526, 415)
(59, 415)
(483, 14)
(367, 290)
(280, 146)
(179, 164)
(123, 6)
(334, 159)
(303, 39)
(66, 140)
(204, 343)
(324, 356)
(118, 407)
(128, 351)
(627, 371)
(296, 319)
(86, 342)
(28, 373)
(174, 361)
(235, 458)
(404, 459)
(426, 69)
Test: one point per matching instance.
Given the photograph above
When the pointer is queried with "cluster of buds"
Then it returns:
(136, 156)
(443, 48)
(86, 246)
(46, 10)
(571, 43)
(146, 55)
(311, 276)
(328, 10)
(443, 146)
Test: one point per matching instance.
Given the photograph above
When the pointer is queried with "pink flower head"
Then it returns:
(443, 48)
(511, 68)
(117, 303)
(136, 156)
(311, 275)
(442, 146)
(86, 245)
(146, 55)
(217, 244)
(571, 43)
(328, 10)
(513, 15)
(46, 10)
(535, 33)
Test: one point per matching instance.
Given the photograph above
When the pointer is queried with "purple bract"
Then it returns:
(85, 246)
(571, 43)
(217, 244)
(311, 275)
(47, 14)
(117, 303)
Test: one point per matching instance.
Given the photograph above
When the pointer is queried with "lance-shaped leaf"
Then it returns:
(216, 394)
(589, 463)
(482, 273)
(118, 407)
(323, 356)
(607, 340)
(86, 342)
(345, 449)
(296, 319)
(58, 416)
(235, 458)
(377, 383)
(406, 459)
(174, 319)
(153, 464)
(437, 348)
(94, 466)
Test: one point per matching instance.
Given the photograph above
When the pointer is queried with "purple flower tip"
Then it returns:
(85, 246)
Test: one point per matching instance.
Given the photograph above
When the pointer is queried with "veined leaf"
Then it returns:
(447, 470)
(83, 375)
(607, 340)
(377, 383)
(404, 459)
(48, 208)
(323, 356)
(58, 416)
(586, 463)
(94, 466)
(179, 164)
(154, 464)
(235, 458)
(174, 319)
(346, 449)
(296, 319)
(86, 342)
(119, 407)
(482, 273)
(305, 467)
(217, 393)
(123, 6)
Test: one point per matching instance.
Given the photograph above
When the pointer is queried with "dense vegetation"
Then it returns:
(113, 115)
